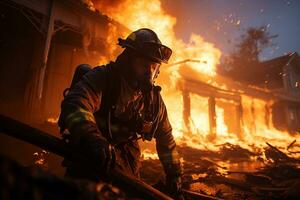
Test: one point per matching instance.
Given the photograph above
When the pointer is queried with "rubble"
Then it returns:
(209, 172)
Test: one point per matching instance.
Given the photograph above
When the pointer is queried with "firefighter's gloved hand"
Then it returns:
(88, 140)
(173, 184)
(96, 147)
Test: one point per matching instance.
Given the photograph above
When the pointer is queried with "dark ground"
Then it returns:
(227, 174)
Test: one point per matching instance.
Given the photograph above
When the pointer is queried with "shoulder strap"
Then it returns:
(112, 88)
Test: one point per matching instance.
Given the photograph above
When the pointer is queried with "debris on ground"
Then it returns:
(217, 173)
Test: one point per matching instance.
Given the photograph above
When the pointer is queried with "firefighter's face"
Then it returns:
(145, 69)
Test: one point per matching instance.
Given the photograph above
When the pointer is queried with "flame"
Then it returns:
(199, 115)
(255, 131)
(133, 15)
(149, 14)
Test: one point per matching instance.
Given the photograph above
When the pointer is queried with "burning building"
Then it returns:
(204, 107)
(221, 107)
(42, 42)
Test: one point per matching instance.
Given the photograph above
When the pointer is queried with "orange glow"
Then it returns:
(134, 16)
(149, 14)
(199, 115)
(52, 120)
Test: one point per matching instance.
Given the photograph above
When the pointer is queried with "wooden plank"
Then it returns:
(212, 118)
(186, 109)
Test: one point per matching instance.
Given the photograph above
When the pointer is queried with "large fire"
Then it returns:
(205, 56)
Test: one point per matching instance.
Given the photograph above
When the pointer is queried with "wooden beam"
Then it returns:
(186, 109)
(212, 118)
(234, 89)
(238, 124)
(207, 90)
(50, 31)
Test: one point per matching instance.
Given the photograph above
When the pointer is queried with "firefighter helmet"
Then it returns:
(146, 42)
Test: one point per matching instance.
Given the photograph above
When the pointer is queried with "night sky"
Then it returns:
(223, 21)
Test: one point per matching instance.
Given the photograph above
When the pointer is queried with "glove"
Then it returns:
(173, 185)
(95, 147)
(87, 139)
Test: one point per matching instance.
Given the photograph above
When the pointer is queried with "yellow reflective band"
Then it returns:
(79, 116)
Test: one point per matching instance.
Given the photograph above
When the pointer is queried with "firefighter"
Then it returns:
(113, 106)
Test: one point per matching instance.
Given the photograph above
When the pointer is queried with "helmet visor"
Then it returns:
(158, 52)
